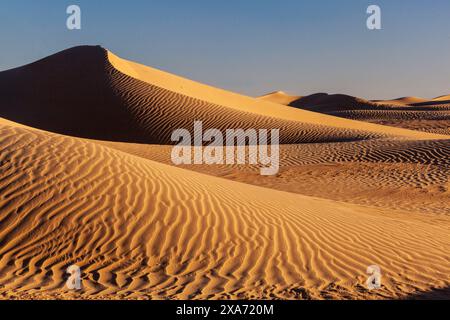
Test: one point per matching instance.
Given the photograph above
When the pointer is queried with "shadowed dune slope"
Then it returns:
(322, 101)
(69, 93)
(89, 92)
(142, 229)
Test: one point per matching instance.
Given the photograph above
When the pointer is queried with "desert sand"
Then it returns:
(280, 97)
(86, 179)
(412, 113)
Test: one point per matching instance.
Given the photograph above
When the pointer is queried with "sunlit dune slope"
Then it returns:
(142, 229)
(89, 92)
(254, 107)
(443, 98)
(404, 101)
(399, 175)
(279, 97)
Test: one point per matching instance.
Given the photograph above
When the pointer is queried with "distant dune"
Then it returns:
(279, 97)
(86, 179)
(405, 101)
(324, 99)
(443, 98)
(408, 112)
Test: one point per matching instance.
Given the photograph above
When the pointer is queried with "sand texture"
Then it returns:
(86, 178)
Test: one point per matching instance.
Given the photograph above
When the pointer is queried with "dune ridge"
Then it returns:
(86, 178)
(91, 83)
(251, 106)
(410, 113)
(404, 101)
(445, 98)
(399, 175)
(279, 97)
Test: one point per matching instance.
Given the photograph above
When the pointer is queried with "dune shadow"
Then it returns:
(433, 294)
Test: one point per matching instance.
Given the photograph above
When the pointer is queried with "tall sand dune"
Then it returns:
(89, 92)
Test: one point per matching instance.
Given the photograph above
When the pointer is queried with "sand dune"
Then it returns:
(319, 101)
(279, 97)
(405, 101)
(411, 113)
(443, 98)
(68, 92)
(142, 229)
(324, 99)
(86, 178)
(415, 101)
(400, 175)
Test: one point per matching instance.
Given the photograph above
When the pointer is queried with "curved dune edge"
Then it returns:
(442, 98)
(141, 229)
(404, 101)
(247, 104)
(391, 174)
(279, 97)
(400, 175)
(411, 113)
(101, 102)
(78, 92)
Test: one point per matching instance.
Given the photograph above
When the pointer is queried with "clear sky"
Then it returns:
(252, 46)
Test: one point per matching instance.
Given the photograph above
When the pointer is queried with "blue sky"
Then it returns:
(252, 46)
